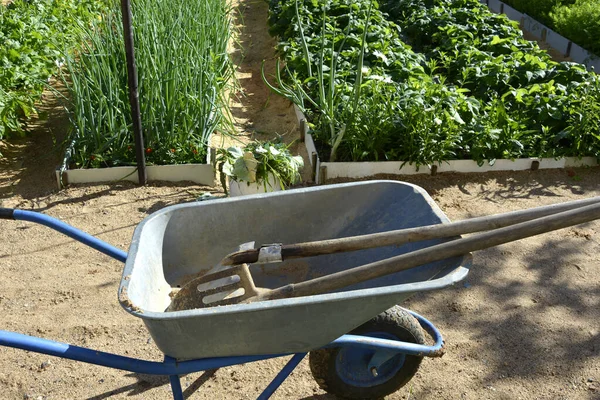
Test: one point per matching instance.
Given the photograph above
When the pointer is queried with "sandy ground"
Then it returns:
(524, 324)
(258, 113)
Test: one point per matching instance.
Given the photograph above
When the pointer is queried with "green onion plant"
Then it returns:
(183, 71)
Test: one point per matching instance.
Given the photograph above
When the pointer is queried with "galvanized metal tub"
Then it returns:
(174, 244)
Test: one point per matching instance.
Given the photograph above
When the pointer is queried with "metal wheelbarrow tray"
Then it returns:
(175, 245)
(180, 242)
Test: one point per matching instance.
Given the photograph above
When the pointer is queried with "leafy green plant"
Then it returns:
(257, 162)
(527, 99)
(32, 35)
(474, 88)
(577, 20)
(541, 10)
(341, 62)
(327, 100)
(580, 22)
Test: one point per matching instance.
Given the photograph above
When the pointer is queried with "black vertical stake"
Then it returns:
(132, 80)
(568, 53)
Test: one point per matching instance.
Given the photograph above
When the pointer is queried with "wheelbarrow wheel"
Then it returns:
(345, 372)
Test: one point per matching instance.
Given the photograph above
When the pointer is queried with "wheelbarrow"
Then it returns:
(361, 344)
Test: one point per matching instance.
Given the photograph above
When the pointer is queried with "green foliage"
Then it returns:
(344, 63)
(531, 100)
(256, 161)
(183, 71)
(32, 35)
(580, 22)
(539, 9)
(474, 88)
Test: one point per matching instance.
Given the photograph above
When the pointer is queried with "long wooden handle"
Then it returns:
(402, 236)
(438, 252)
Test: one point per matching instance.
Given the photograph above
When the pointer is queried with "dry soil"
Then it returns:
(523, 325)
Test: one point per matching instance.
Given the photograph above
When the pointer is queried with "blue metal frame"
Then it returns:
(436, 350)
(71, 232)
(171, 367)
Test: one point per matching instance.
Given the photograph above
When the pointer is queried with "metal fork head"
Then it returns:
(231, 285)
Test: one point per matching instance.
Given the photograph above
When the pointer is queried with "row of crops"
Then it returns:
(412, 80)
(429, 80)
(33, 36)
(578, 20)
(183, 72)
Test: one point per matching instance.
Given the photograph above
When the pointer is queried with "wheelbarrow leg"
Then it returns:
(175, 382)
(176, 387)
(281, 376)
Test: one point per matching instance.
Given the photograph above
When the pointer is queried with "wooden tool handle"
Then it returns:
(438, 252)
(402, 236)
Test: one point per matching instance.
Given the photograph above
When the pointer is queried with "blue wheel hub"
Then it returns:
(361, 367)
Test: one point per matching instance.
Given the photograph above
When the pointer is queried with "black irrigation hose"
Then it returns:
(7, 213)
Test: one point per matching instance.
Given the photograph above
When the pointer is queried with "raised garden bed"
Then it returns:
(546, 35)
(468, 87)
(322, 171)
(184, 72)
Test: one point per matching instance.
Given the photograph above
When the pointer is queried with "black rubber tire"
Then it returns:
(395, 321)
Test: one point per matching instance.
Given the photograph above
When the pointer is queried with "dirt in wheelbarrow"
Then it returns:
(523, 325)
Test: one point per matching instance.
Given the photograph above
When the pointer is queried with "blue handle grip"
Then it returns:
(58, 225)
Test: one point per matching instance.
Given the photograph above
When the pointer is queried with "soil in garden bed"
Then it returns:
(28, 164)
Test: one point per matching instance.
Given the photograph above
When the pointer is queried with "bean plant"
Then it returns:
(424, 81)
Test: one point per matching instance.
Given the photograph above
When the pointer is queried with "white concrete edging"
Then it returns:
(511, 13)
(203, 174)
(329, 170)
(546, 35)
(366, 169)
